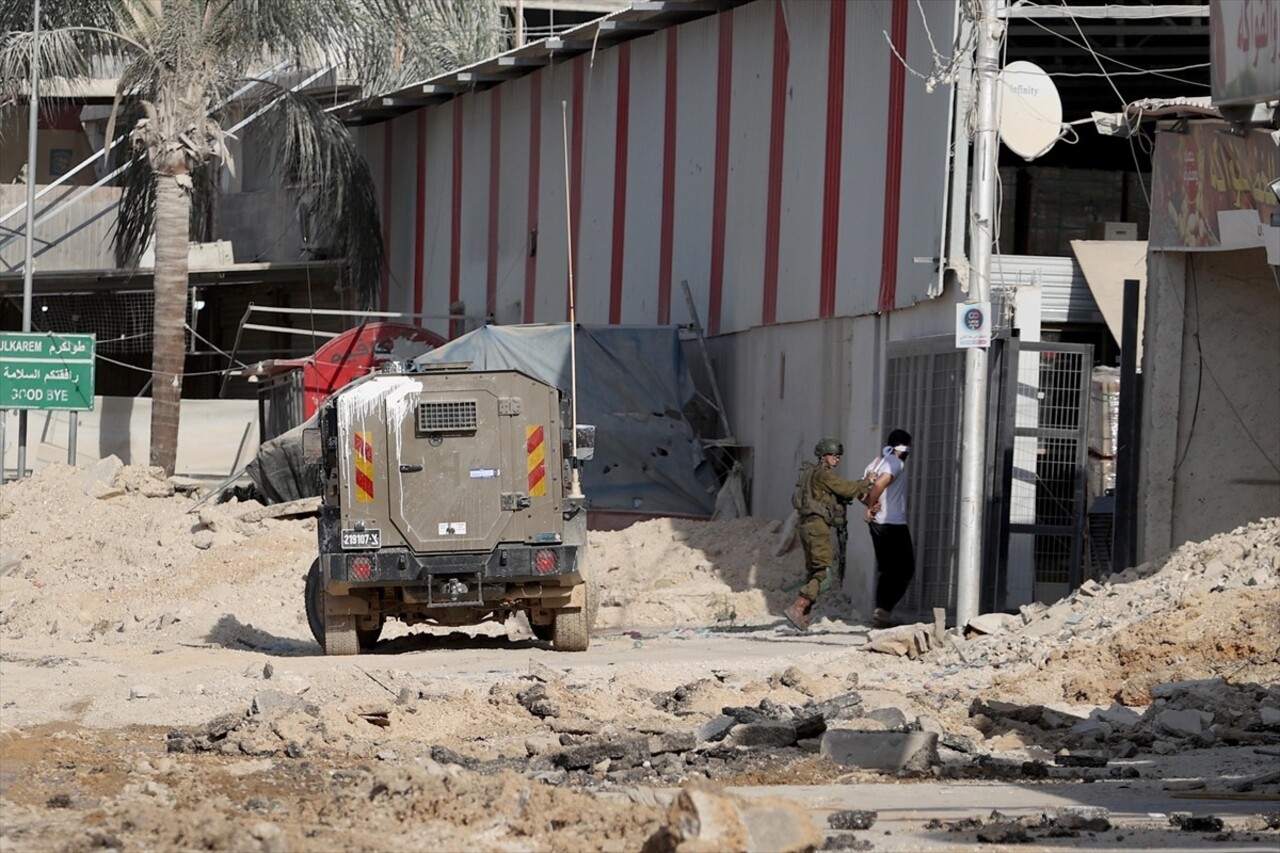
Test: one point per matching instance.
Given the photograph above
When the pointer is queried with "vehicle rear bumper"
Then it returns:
(402, 567)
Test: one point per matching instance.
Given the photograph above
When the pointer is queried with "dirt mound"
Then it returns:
(679, 572)
(1207, 610)
(113, 554)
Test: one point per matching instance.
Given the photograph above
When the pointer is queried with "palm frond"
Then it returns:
(56, 14)
(320, 165)
(404, 41)
(135, 223)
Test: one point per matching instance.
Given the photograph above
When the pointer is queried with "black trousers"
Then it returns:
(895, 562)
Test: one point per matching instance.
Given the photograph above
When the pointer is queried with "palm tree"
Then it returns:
(183, 60)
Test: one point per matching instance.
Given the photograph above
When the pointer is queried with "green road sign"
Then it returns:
(46, 371)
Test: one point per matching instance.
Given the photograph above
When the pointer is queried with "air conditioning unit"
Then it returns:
(1113, 231)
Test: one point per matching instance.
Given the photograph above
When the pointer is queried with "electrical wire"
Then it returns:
(1133, 69)
(1139, 73)
(1124, 105)
(1190, 267)
(214, 346)
(151, 372)
(1207, 369)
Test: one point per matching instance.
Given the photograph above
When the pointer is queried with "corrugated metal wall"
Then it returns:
(1064, 293)
(776, 156)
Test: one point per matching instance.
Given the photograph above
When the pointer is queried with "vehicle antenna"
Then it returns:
(575, 485)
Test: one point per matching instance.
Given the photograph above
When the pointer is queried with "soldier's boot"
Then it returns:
(797, 613)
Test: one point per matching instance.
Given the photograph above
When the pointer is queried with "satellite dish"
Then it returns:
(1030, 110)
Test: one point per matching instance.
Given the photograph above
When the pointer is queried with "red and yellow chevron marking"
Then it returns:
(536, 460)
(364, 467)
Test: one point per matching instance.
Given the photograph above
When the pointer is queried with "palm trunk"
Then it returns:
(173, 216)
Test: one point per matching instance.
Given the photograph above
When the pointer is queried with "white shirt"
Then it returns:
(893, 501)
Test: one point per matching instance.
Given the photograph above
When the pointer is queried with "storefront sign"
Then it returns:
(1212, 188)
(1245, 58)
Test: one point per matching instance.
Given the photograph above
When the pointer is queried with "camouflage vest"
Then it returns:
(803, 499)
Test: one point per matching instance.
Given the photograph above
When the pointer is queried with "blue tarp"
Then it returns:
(634, 385)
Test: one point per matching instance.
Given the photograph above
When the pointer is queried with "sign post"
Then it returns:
(47, 372)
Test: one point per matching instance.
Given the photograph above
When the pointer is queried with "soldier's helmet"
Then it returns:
(828, 445)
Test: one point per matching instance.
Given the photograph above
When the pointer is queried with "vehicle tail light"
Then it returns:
(361, 568)
(545, 561)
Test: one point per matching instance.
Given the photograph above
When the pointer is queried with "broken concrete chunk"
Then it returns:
(1091, 588)
(535, 701)
(890, 717)
(890, 752)
(100, 476)
(1003, 833)
(852, 819)
(890, 646)
(993, 623)
(774, 733)
(1080, 758)
(1083, 818)
(714, 729)
(621, 752)
(1182, 722)
(671, 742)
(1188, 822)
(842, 705)
(705, 818)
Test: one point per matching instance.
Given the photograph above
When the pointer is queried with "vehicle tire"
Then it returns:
(340, 636)
(315, 602)
(571, 631)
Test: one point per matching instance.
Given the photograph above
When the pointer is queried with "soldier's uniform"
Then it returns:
(828, 494)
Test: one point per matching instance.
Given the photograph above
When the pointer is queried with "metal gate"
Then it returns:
(924, 394)
(1037, 421)
(1039, 441)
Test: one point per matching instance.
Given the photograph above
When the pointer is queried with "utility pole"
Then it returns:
(28, 263)
(973, 441)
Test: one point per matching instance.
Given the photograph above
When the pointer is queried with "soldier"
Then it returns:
(820, 498)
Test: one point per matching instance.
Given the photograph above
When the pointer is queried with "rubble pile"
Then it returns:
(1217, 602)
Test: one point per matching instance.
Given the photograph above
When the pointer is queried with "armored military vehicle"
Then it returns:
(449, 499)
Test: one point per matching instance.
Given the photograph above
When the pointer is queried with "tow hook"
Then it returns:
(454, 588)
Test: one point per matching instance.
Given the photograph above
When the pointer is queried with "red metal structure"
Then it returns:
(291, 390)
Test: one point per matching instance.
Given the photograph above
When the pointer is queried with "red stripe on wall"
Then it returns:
(620, 184)
(832, 161)
(495, 157)
(777, 138)
(384, 296)
(420, 215)
(531, 216)
(893, 159)
(455, 220)
(720, 192)
(575, 183)
(668, 181)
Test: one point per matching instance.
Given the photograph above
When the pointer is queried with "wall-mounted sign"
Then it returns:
(1245, 53)
(1206, 183)
(973, 324)
(46, 371)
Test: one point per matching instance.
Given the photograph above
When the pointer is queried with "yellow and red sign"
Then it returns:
(1205, 172)
(363, 446)
(536, 460)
